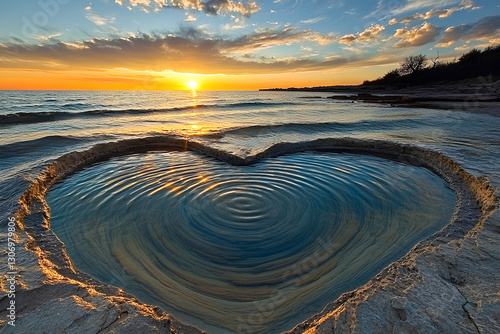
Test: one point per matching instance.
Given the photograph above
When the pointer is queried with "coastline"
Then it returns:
(153, 180)
(476, 96)
(50, 279)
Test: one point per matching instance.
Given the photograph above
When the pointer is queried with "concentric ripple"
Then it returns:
(244, 249)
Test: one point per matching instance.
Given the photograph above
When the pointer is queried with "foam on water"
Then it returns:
(244, 249)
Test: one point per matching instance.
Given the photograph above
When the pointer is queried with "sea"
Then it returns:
(237, 249)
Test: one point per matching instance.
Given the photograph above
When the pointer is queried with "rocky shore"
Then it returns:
(477, 96)
(447, 283)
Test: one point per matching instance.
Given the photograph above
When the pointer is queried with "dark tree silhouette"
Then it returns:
(473, 56)
(413, 64)
(413, 71)
(435, 62)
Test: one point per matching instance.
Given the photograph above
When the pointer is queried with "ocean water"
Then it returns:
(230, 236)
(244, 249)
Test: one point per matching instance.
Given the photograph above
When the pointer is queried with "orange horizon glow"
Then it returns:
(121, 79)
(235, 45)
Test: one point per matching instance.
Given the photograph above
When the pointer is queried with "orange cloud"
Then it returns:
(211, 7)
(266, 38)
(488, 28)
(368, 34)
(189, 50)
(416, 36)
(441, 13)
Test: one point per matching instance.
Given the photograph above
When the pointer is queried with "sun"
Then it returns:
(192, 85)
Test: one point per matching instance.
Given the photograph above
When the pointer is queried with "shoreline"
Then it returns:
(52, 281)
(479, 96)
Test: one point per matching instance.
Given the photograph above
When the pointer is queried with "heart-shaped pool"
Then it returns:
(244, 249)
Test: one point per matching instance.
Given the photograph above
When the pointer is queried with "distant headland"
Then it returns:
(420, 70)
(471, 82)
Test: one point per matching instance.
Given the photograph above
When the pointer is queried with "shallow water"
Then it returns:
(37, 127)
(248, 249)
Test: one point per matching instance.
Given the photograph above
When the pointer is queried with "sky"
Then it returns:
(229, 44)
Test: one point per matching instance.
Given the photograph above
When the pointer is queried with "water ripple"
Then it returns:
(244, 249)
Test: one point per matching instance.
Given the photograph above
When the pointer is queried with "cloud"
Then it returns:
(78, 45)
(233, 26)
(491, 42)
(441, 13)
(189, 50)
(96, 19)
(368, 34)
(348, 39)
(47, 37)
(412, 5)
(453, 34)
(387, 8)
(210, 7)
(190, 18)
(314, 20)
(416, 36)
(266, 38)
(487, 28)
(462, 48)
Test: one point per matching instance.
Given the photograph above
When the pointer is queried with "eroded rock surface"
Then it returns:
(447, 283)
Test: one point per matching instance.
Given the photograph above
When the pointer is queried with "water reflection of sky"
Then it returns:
(204, 238)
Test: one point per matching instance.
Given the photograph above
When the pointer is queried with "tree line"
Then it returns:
(419, 69)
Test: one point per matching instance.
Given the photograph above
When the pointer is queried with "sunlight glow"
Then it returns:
(192, 85)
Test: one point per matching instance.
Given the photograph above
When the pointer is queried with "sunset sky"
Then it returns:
(225, 44)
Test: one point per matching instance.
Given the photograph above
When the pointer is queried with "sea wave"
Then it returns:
(256, 130)
(47, 144)
(74, 106)
(51, 116)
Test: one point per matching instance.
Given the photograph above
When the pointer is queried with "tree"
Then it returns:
(435, 62)
(392, 75)
(413, 64)
(472, 56)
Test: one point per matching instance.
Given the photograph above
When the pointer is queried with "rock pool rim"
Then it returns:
(476, 200)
